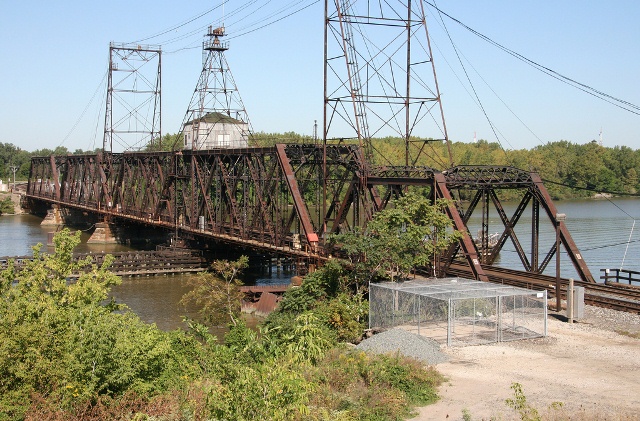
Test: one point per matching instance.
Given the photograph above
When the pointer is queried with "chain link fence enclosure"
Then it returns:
(458, 312)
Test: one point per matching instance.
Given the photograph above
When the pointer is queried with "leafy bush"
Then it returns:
(272, 390)
(217, 293)
(6, 206)
(347, 315)
(66, 353)
(329, 296)
(61, 340)
(404, 236)
(318, 286)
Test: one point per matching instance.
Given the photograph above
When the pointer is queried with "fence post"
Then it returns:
(499, 324)
(544, 309)
(570, 301)
(418, 298)
(450, 317)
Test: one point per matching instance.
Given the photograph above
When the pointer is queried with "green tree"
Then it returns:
(63, 341)
(218, 292)
(168, 142)
(6, 206)
(398, 239)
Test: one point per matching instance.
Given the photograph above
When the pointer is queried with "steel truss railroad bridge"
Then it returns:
(285, 200)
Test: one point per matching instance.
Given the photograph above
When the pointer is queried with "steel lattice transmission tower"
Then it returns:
(215, 93)
(380, 79)
(134, 103)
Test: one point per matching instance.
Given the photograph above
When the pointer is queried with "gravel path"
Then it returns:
(587, 366)
(406, 343)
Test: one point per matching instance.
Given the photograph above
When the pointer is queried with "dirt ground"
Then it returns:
(588, 367)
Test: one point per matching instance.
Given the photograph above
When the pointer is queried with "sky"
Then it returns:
(55, 55)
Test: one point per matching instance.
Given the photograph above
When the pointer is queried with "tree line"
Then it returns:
(571, 170)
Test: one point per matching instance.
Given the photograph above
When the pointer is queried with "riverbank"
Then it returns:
(590, 367)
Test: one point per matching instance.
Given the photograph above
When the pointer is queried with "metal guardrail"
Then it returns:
(621, 276)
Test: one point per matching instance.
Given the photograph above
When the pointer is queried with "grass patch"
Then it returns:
(372, 387)
(634, 335)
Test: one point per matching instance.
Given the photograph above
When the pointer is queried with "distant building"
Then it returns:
(215, 130)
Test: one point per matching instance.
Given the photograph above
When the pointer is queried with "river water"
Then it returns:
(607, 233)
(603, 230)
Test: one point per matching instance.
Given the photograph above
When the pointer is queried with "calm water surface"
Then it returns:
(604, 232)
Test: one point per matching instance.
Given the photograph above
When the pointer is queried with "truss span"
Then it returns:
(286, 199)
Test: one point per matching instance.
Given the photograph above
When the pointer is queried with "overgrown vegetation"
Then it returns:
(400, 238)
(6, 206)
(66, 352)
(217, 293)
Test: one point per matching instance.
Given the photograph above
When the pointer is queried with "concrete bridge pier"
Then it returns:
(103, 234)
(54, 216)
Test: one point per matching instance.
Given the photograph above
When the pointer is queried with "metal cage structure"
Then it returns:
(459, 312)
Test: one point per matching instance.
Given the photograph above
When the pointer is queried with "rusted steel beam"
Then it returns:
(100, 163)
(475, 176)
(55, 178)
(298, 201)
(246, 195)
(535, 235)
(466, 242)
(508, 230)
(565, 237)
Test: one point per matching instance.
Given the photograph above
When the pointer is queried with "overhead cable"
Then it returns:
(593, 189)
(620, 103)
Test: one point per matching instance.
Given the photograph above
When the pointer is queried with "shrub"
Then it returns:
(347, 315)
(6, 206)
(63, 340)
(380, 387)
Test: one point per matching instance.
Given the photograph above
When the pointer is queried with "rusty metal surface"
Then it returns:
(238, 196)
(266, 304)
(286, 199)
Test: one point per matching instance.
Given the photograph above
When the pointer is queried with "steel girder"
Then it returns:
(286, 198)
(481, 184)
(263, 197)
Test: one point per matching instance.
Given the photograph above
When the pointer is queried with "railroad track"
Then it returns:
(133, 263)
(617, 297)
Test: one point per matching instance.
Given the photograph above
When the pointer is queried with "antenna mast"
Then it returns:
(216, 94)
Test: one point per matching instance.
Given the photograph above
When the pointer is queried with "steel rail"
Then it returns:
(600, 295)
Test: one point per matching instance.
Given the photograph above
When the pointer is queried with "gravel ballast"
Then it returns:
(406, 343)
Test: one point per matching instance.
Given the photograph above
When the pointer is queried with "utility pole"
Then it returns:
(14, 168)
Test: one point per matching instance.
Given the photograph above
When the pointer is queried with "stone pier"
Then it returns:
(54, 216)
(103, 234)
